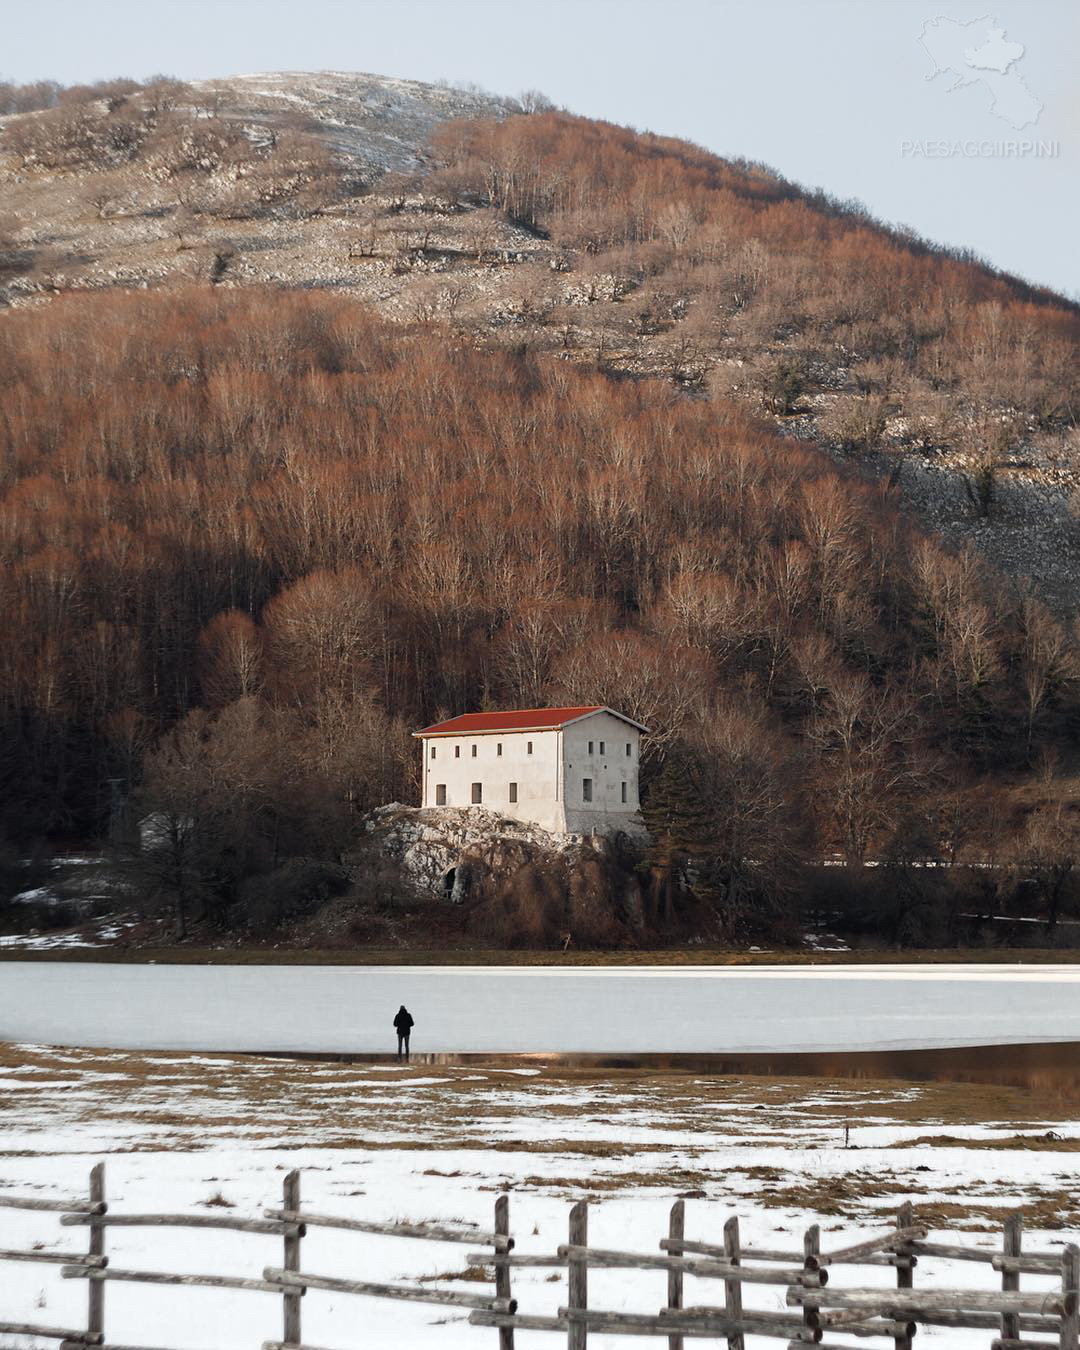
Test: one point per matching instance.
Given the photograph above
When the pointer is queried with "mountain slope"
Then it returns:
(617, 421)
(956, 387)
(253, 179)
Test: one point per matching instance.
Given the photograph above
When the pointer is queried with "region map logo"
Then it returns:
(978, 56)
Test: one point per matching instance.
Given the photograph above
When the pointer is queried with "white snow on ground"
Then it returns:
(380, 121)
(35, 896)
(694, 1009)
(416, 1145)
(99, 935)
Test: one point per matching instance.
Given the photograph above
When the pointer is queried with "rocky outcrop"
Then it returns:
(519, 884)
(446, 852)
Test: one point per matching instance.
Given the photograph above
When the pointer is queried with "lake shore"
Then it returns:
(249, 955)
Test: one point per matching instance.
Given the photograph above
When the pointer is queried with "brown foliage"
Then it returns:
(218, 498)
(734, 247)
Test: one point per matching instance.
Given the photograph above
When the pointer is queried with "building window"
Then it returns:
(528, 747)
(629, 752)
(457, 751)
(602, 751)
(432, 752)
(586, 789)
(513, 792)
(440, 794)
(590, 747)
(477, 794)
(498, 749)
(474, 752)
(624, 792)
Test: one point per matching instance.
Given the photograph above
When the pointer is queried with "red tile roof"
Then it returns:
(520, 719)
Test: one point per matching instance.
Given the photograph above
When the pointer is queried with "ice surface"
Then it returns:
(582, 1010)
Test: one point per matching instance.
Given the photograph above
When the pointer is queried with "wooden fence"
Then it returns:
(816, 1309)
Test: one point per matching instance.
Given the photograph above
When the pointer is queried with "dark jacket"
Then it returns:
(403, 1022)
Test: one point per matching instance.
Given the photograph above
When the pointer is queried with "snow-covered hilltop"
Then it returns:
(253, 179)
(381, 122)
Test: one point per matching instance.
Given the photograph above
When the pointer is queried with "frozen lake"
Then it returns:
(539, 1009)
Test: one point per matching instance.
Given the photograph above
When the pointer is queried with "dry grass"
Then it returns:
(469, 1275)
(572, 1131)
(1050, 1142)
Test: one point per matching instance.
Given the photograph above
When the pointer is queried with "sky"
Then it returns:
(838, 94)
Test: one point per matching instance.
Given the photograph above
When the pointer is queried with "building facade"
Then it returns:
(568, 770)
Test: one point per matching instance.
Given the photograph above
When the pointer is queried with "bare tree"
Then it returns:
(864, 739)
(655, 685)
(1049, 663)
(1045, 859)
(533, 101)
(230, 659)
(481, 232)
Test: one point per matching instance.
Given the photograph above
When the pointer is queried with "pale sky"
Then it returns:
(828, 92)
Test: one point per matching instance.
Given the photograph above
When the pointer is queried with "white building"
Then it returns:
(569, 770)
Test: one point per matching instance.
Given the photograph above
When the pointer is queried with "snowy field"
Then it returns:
(536, 1009)
(383, 1142)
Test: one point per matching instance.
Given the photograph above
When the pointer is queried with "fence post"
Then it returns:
(1070, 1285)
(732, 1288)
(290, 1201)
(1011, 1242)
(676, 1231)
(502, 1272)
(577, 1333)
(95, 1302)
(905, 1275)
(811, 1246)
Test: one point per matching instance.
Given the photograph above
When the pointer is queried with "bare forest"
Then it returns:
(252, 537)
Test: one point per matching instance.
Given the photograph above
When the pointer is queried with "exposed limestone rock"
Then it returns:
(519, 886)
(451, 852)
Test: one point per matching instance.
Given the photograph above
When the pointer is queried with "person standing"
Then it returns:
(403, 1025)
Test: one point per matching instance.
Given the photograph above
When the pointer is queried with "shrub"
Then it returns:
(298, 887)
(781, 388)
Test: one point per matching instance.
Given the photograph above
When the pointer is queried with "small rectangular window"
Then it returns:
(586, 789)
(513, 792)
(440, 794)
(477, 794)
(590, 747)
(602, 751)
(624, 792)
(474, 752)
(498, 749)
(628, 750)
(432, 752)
(528, 748)
(457, 751)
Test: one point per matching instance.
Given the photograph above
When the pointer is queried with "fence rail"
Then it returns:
(817, 1307)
